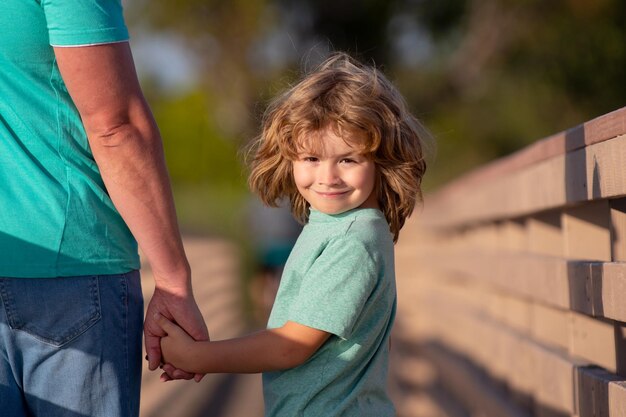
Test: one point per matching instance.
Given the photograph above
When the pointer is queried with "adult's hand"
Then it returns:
(181, 308)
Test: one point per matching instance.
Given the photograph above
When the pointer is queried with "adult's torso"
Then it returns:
(56, 218)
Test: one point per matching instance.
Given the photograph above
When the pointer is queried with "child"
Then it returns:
(342, 147)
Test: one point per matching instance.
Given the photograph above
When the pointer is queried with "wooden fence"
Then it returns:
(512, 285)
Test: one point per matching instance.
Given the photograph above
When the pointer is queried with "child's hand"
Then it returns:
(177, 346)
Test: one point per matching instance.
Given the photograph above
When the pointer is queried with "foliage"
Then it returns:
(486, 76)
(506, 73)
(196, 150)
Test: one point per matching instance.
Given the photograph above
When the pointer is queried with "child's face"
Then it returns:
(335, 177)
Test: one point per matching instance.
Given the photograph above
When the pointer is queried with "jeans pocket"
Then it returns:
(52, 310)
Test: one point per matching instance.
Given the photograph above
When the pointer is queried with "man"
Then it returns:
(82, 175)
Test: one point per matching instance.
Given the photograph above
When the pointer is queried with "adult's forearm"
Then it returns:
(127, 148)
(132, 165)
(126, 145)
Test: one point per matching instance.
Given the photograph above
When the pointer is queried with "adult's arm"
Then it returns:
(127, 147)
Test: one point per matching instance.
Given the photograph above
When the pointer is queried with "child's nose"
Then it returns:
(328, 174)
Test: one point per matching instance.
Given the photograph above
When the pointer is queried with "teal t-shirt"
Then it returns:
(339, 278)
(56, 218)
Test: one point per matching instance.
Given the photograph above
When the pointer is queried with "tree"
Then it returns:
(486, 76)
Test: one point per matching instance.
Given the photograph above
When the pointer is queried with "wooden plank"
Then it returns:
(546, 279)
(594, 393)
(594, 340)
(556, 382)
(620, 348)
(592, 288)
(617, 399)
(587, 231)
(580, 286)
(482, 236)
(618, 229)
(470, 387)
(521, 377)
(545, 235)
(512, 235)
(494, 303)
(591, 173)
(535, 277)
(431, 402)
(603, 128)
(548, 184)
(540, 278)
(551, 326)
(575, 176)
(498, 362)
(410, 369)
(609, 287)
(518, 313)
(245, 398)
(605, 169)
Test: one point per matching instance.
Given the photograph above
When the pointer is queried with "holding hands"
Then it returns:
(179, 307)
(178, 348)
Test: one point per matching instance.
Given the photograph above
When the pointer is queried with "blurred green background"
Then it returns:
(487, 77)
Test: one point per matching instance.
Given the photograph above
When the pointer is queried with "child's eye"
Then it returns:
(347, 161)
(309, 159)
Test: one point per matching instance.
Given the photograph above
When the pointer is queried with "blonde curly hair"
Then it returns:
(344, 95)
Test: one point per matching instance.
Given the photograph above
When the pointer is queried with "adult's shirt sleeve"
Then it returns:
(84, 22)
(336, 288)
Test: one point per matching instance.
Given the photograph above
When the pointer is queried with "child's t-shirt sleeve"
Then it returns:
(84, 22)
(336, 288)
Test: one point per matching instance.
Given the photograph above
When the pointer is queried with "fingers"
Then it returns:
(167, 326)
(193, 323)
(173, 317)
(152, 337)
(153, 350)
(174, 373)
(184, 312)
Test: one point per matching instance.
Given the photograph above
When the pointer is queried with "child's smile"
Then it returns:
(335, 177)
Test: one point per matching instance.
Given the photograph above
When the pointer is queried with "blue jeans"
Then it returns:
(71, 346)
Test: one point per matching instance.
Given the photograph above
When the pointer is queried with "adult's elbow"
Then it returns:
(109, 135)
(117, 125)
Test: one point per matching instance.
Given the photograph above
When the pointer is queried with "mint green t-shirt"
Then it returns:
(56, 218)
(340, 279)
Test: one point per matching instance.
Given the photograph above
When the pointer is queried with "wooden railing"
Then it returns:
(512, 285)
